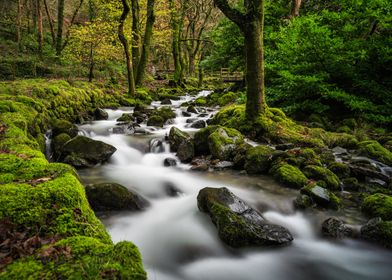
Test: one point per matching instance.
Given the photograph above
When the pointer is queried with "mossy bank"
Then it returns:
(46, 201)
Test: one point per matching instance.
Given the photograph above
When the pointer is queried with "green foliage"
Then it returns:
(378, 205)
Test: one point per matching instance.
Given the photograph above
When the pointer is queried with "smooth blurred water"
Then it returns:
(177, 241)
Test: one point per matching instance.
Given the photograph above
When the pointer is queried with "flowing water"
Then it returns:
(178, 242)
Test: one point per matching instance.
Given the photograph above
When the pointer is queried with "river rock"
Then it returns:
(169, 162)
(258, 159)
(186, 114)
(192, 109)
(303, 201)
(166, 101)
(63, 126)
(100, 114)
(176, 137)
(362, 172)
(223, 143)
(186, 151)
(378, 231)
(199, 124)
(321, 196)
(191, 120)
(336, 228)
(200, 164)
(238, 224)
(85, 152)
(172, 190)
(126, 117)
(112, 196)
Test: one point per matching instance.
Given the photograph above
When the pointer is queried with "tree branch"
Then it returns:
(233, 14)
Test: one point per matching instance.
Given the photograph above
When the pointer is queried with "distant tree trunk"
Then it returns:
(39, 29)
(200, 68)
(92, 62)
(50, 21)
(252, 26)
(176, 47)
(34, 14)
(295, 7)
(141, 69)
(18, 24)
(124, 42)
(71, 23)
(60, 24)
(135, 35)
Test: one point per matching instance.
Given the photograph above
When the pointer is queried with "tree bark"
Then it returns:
(124, 42)
(176, 47)
(141, 69)
(18, 24)
(60, 24)
(135, 35)
(252, 26)
(39, 29)
(50, 20)
(92, 63)
(295, 7)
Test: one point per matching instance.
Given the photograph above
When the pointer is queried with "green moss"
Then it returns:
(290, 176)
(227, 98)
(156, 121)
(374, 150)
(201, 139)
(258, 159)
(87, 258)
(378, 205)
(201, 101)
(324, 174)
(321, 196)
(341, 169)
(223, 143)
(126, 117)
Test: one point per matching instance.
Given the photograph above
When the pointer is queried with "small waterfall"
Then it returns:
(48, 145)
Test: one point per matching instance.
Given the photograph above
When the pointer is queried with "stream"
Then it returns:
(178, 242)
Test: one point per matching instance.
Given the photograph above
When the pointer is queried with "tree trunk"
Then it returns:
(176, 49)
(39, 29)
(91, 67)
(141, 69)
(124, 42)
(135, 35)
(254, 77)
(50, 20)
(60, 24)
(18, 25)
(295, 7)
(252, 26)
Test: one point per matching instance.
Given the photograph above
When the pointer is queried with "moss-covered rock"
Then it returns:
(340, 169)
(290, 176)
(112, 196)
(374, 150)
(321, 173)
(155, 121)
(223, 143)
(237, 223)
(378, 205)
(201, 140)
(58, 144)
(82, 152)
(79, 258)
(303, 201)
(64, 126)
(258, 159)
(321, 196)
(351, 184)
(176, 137)
(126, 117)
(100, 114)
(378, 231)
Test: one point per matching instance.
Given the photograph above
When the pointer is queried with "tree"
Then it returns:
(124, 42)
(176, 25)
(295, 6)
(60, 24)
(141, 67)
(40, 27)
(135, 35)
(251, 23)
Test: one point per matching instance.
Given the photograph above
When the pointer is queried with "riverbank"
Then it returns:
(48, 229)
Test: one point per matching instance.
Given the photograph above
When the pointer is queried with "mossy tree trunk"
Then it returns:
(18, 24)
(135, 35)
(295, 7)
(176, 46)
(124, 42)
(141, 68)
(50, 21)
(39, 27)
(60, 24)
(251, 24)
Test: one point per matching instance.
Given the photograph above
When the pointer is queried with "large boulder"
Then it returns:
(201, 140)
(321, 196)
(336, 229)
(258, 159)
(85, 152)
(176, 137)
(100, 114)
(112, 196)
(63, 126)
(238, 224)
(223, 143)
(378, 231)
(58, 144)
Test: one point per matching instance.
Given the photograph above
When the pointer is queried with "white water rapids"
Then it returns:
(178, 242)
